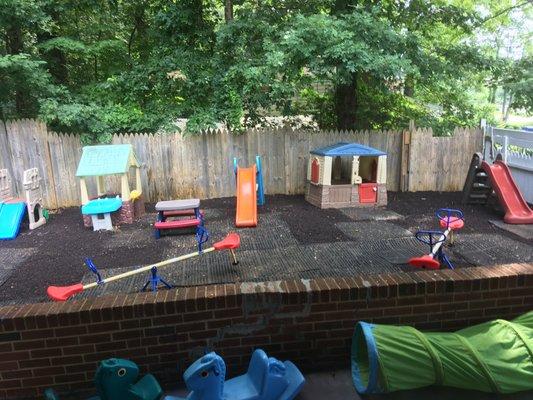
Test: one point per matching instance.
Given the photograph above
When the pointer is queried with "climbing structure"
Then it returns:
(477, 188)
(32, 188)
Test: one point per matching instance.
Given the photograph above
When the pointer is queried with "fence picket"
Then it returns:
(177, 166)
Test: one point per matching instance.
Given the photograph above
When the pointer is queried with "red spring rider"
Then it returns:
(450, 220)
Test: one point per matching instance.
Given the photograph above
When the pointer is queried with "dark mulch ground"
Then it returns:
(293, 239)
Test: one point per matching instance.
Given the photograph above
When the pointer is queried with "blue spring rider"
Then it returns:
(118, 379)
(267, 379)
(450, 220)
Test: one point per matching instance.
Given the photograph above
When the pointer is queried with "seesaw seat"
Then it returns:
(424, 262)
(453, 223)
(232, 241)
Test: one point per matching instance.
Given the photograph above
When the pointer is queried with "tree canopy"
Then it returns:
(105, 66)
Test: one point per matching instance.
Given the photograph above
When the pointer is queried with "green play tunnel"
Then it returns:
(495, 356)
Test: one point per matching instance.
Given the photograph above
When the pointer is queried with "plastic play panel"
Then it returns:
(101, 206)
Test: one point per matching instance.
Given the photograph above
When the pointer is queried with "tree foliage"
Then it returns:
(106, 66)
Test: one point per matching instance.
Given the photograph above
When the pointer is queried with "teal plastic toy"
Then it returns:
(266, 379)
(117, 379)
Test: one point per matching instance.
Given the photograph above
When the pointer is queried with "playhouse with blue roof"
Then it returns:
(347, 175)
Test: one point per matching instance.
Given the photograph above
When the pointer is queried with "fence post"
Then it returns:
(405, 155)
(505, 148)
(50, 170)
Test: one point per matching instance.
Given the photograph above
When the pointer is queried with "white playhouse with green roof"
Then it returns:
(103, 209)
(347, 175)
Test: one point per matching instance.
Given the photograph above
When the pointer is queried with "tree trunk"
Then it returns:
(55, 59)
(506, 115)
(228, 10)
(15, 45)
(492, 95)
(504, 101)
(346, 103)
(409, 86)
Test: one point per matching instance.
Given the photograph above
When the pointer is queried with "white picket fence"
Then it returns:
(516, 149)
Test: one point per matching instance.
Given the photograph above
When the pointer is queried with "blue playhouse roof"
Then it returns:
(347, 149)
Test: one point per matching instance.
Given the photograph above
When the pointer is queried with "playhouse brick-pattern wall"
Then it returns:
(339, 196)
(307, 321)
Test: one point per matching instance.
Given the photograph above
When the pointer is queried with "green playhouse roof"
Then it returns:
(106, 160)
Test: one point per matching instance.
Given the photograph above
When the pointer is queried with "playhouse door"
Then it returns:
(368, 193)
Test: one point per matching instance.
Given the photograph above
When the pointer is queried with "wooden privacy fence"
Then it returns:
(201, 166)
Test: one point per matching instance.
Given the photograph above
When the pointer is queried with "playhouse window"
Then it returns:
(341, 170)
(315, 171)
(368, 169)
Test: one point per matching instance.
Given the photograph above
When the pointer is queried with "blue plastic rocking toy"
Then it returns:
(118, 379)
(267, 379)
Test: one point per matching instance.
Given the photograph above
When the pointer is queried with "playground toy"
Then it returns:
(118, 379)
(32, 188)
(494, 356)
(100, 212)
(107, 160)
(188, 212)
(61, 293)
(483, 179)
(11, 215)
(250, 193)
(12, 210)
(450, 220)
(5, 185)
(266, 379)
(346, 175)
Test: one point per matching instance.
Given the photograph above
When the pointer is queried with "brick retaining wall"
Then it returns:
(308, 321)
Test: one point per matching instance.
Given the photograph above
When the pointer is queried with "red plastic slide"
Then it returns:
(246, 197)
(516, 209)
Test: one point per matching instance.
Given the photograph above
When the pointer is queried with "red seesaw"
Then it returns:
(61, 293)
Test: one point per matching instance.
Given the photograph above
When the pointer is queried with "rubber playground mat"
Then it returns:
(371, 214)
(372, 229)
(523, 231)
(10, 258)
(293, 240)
(279, 259)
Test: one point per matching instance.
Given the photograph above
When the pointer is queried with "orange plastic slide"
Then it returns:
(246, 197)
(516, 209)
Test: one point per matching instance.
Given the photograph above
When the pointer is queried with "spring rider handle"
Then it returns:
(202, 236)
(94, 270)
(427, 237)
(450, 218)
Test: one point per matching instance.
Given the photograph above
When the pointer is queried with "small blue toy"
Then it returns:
(267, 379)
(117, 379)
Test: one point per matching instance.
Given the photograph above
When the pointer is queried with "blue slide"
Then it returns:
(11, 215)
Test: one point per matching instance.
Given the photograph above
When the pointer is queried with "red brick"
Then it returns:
(7, 366)
(44, 353)
(15, 356)
(48, 371)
